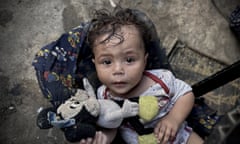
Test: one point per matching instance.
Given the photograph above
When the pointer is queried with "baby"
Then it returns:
(119, 46)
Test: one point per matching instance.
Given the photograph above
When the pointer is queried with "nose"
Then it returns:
(118, 69)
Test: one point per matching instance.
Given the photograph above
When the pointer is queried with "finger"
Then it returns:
(167, 136)
(98, 138)
(173, 136)
(102, 139)
(157, 128)
(161, 134)
(83, 141)
(89, 140)
(95, 140)
(86, 141)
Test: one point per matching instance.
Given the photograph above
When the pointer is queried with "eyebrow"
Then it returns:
(102, 55)
(130, 52)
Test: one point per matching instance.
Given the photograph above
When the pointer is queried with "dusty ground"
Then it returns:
(27, 25)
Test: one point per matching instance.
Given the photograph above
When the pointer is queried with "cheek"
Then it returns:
(139, 67)
(137, 75)
(137, 72)
(102, 74)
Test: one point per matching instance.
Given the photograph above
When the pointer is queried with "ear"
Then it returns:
(88, 87)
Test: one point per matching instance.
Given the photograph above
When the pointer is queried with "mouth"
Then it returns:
(119, 84)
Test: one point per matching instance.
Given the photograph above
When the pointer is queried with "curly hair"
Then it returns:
(105, 22)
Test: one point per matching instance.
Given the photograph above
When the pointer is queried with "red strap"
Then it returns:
(153, 77)
(158, 80)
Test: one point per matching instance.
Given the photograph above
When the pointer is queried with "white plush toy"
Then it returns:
(78, 115)
(110, 114)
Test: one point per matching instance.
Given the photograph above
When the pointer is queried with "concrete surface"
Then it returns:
(27, 25)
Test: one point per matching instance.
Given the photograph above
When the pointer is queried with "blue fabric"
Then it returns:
(61, 65)
(52, 117)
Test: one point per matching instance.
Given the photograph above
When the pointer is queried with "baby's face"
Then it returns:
(120, 66)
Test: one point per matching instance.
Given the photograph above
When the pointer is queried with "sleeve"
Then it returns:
(177, 87)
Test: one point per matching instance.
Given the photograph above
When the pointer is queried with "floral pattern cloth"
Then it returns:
(61, 65)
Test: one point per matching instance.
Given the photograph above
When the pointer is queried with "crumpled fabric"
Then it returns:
(61, 65)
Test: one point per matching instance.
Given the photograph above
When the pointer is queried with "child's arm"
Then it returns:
(168, 126)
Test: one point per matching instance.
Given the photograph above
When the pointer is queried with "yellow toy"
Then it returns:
(148, 109)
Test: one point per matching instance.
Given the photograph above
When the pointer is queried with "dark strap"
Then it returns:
(138, 126)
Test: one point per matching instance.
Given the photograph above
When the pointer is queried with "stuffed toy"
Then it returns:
(148, 109)
(79, 115)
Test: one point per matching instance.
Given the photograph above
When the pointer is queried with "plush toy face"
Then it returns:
(74, 105)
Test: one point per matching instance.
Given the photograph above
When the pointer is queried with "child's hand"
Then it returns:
(166, 129)
(100, 138)
(105, 136)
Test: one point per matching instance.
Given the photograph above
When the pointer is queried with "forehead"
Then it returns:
(125, 34)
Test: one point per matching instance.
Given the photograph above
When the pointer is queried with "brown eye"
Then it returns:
(130, 60)
(107, 62)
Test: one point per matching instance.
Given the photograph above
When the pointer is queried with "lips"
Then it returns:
(119, 84)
